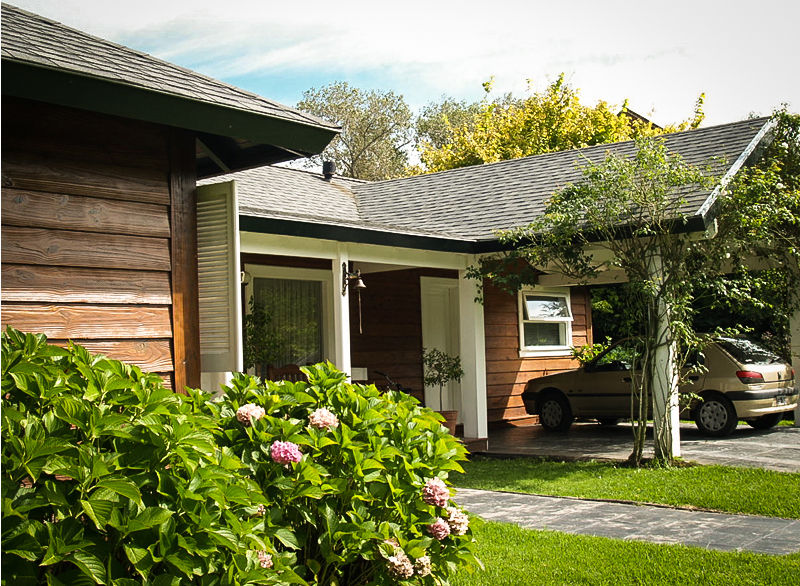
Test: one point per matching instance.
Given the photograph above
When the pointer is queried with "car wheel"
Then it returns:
(608, 421)
(555, 413)
(715, 416)
(765, 421)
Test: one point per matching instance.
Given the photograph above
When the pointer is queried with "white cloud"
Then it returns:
(742, 55)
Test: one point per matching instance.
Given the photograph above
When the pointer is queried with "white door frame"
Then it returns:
(440, 330)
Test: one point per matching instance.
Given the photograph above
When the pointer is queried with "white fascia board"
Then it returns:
(252, 242)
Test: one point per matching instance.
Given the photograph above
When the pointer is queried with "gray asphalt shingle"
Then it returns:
(471, 203)
(34, 40)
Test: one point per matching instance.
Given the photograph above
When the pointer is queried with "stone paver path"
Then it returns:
(718, 531)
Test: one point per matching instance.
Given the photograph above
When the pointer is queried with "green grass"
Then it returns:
(721, 488)
(515, 556)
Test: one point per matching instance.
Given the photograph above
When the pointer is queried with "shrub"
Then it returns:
(108, 477)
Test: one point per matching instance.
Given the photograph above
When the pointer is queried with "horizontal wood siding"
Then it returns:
(86, 237)
(506, 372)
(391, 341)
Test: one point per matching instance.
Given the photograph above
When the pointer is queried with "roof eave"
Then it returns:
(294, 139)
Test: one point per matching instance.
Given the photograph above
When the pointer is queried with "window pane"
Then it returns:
(541, 306)
(545, 334)
(295, 308)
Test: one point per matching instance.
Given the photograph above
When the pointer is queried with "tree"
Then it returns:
(376, 127)
(508, 128)
(624, 215)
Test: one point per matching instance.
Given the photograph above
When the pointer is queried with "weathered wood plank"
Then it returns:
(41, 246)
(149, 355)
(87, 214)
(84, 285)
(84, 177)
(89, 321)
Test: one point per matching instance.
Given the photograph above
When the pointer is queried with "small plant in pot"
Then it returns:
(440, 369)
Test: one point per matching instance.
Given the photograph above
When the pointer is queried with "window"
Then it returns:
(545, 322)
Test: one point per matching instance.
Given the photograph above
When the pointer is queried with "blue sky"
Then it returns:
(658, 55)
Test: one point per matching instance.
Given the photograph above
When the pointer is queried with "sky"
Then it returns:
(659, 56)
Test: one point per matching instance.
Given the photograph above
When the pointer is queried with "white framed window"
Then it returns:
(545, 322)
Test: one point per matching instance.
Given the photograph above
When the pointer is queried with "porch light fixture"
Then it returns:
(353, 280)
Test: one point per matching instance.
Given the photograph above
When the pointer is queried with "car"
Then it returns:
(740, 380)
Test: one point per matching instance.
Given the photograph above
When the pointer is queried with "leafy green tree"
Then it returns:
(376, 128)
(454, 134)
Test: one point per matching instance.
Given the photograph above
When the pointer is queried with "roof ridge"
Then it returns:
(563, 152)
(309, 118)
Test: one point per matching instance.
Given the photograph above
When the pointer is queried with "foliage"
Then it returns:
(455, 134)
(261, 346)
(108, 477)
(440, 369)
(588, 352)
(626, 215)
(515, 555)
(751, 491)
(376, 126)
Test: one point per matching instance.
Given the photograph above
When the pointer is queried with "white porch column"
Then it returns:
(666, 421)
(341, 312)
(794, 329)
(472, 346)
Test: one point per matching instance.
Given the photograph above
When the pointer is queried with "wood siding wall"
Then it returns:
(506, 372)
(89, 207)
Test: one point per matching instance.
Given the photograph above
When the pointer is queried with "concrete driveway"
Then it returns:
(774, 449)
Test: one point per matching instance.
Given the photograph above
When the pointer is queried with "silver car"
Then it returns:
(741, 381)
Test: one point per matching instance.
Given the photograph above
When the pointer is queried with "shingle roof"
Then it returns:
(34, 40)
(475, 202)
(471, 203)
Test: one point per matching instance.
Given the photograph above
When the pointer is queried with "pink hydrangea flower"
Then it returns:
(439, 529)
(400, 566)
(423, 566)
(285, 452)
(246, 414)
(457, 520)
(435, 492)
(264, 559)
(323, 419)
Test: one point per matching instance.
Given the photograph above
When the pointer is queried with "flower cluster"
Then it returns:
(246, 414)
(400, 566)
(457, 520)
(435, 492)
(439, 529)
(423, 566)
(264, 559)
(261, 510)
(285, 452)
(323, 419)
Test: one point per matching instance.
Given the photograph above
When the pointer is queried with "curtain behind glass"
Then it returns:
(296, 311)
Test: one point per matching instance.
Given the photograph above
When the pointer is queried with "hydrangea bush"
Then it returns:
(109, 478)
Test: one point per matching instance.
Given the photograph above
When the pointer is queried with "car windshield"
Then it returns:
(747, 351)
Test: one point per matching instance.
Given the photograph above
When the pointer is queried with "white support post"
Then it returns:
(472, 346)
(666, 410)
(794, 332)
(341, 312)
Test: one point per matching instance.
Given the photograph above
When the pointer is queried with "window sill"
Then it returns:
(565, 351)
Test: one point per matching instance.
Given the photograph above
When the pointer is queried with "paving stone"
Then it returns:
(719, 531)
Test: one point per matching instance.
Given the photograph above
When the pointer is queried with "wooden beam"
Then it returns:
(149, 355)
(183, 219)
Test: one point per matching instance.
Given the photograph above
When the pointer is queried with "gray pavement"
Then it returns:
(773, 449)
(717, 531)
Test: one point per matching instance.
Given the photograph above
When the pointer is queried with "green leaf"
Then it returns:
(149, 517)
(99, 511)
(123, 487)
(89, 564)
(287, 538)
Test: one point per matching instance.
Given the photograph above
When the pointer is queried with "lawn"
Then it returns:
(514, 556)
(720, 488)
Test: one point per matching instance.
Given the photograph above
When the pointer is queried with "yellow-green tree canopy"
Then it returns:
(508, 128)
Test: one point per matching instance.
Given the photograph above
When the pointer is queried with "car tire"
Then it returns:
(715, 416)
(765, 421)
(555, 414)
(608, 421)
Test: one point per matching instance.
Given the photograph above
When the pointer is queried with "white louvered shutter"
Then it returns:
(219, 279)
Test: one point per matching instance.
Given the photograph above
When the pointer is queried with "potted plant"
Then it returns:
(440, 369)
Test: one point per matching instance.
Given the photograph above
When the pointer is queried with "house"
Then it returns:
(412, 241)
(102, 146)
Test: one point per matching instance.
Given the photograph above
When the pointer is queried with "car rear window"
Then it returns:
(747, 351)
